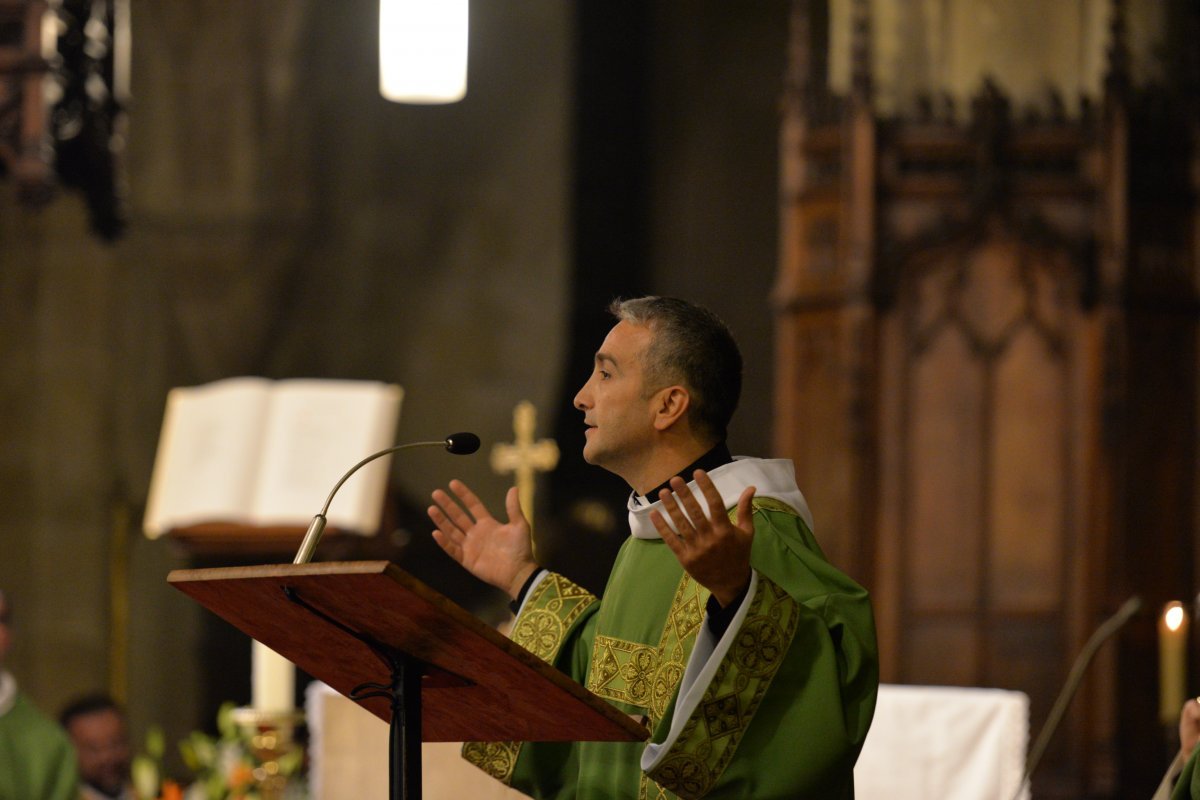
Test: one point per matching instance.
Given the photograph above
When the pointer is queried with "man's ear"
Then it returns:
(671, 404)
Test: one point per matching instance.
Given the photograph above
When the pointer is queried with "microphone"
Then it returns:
(460, 444)
(1106, 630)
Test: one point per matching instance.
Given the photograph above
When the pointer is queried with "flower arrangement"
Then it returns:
(234, 765)
(147, 774)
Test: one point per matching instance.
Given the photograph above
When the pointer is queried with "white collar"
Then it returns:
(773, 477)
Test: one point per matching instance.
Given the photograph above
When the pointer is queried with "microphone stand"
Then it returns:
(457, 443)
(403, 692)
(403, 688)
(1109, 627)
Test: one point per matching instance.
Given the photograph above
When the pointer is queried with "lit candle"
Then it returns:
(272, 680)
(1172, 662)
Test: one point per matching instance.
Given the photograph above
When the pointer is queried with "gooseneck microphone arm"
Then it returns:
(1102, 634)
(460, 444)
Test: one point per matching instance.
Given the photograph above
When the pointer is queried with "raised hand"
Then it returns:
(497, 553)
(1189, 727)
(713, 550)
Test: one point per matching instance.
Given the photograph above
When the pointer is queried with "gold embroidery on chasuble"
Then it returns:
(647, 676)
(550, 610)
(497, 759)
(649, 790)
(711, 735)
(765, 504)
(622, 671)
(549, 613)
(643, 675)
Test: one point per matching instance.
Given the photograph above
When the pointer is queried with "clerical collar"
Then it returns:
(716, 457)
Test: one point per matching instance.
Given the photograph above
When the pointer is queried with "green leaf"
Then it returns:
(156, 743)
(290, 761)
(225, 723)
(144, 772)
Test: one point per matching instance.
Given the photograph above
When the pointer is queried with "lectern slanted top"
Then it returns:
(478, 686)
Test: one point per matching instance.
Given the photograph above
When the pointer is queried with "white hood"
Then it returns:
(771, 477)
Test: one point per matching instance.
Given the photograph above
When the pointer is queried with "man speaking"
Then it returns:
(751, 659)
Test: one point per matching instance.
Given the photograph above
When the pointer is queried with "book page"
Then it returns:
(316, 431)
(207, 460)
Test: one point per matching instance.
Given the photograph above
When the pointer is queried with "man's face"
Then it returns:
(102, 746)
(618, 415)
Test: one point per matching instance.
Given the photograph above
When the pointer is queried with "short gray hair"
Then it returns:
(691, 346)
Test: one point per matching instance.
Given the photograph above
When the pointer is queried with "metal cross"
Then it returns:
(525, 457)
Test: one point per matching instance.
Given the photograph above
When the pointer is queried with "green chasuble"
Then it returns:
(37, 761)
(777, 708)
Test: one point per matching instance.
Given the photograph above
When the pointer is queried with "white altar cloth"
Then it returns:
(945, 742)
(348, 752)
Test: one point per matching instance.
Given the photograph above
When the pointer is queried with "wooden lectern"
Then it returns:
(409, 655)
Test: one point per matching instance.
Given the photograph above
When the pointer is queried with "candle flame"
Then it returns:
(1173, 616)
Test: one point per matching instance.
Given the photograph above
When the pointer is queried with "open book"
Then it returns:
(252, 451)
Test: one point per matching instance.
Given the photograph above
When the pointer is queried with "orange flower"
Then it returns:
(171, 791)
(241, 775)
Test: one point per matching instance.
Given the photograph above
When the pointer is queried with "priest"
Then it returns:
(36, 758)
(750, 658)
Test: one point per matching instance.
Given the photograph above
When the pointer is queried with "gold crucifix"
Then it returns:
(525, 457)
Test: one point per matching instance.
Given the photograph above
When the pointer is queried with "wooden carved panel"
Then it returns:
(825, 432)
(1011, 306)
(1026, 505)
(944, 476)
(982, 444)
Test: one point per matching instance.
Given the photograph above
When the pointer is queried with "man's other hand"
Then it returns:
(713, 550)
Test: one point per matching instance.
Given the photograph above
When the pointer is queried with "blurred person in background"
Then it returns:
(37, 761)
(97, 729)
